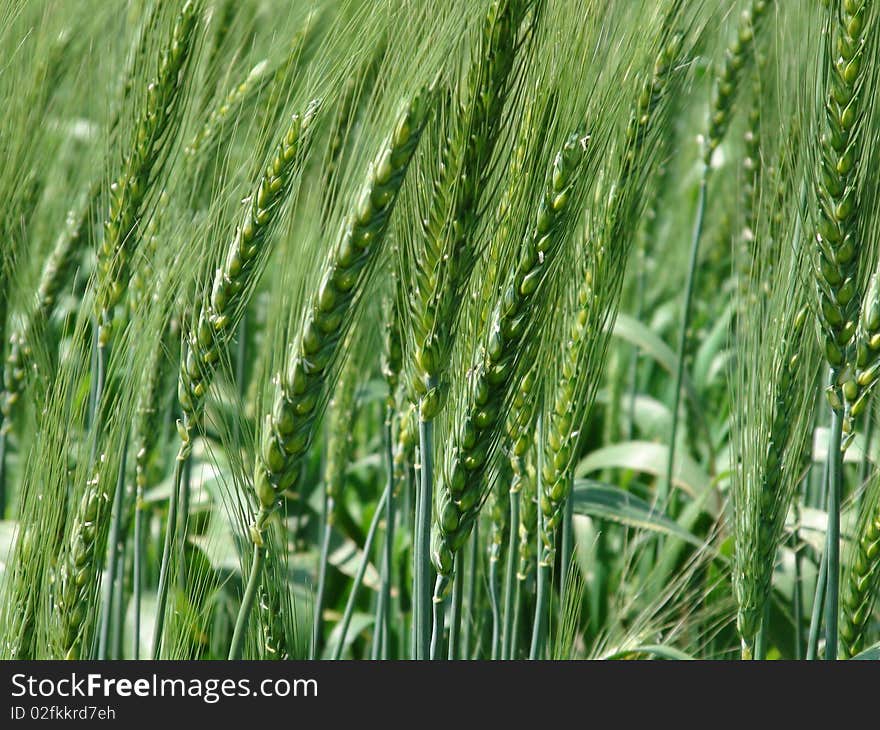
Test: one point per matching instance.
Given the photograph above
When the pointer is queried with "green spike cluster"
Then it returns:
(727, 82)
(836, 234)
(858, 388)
(499, 511)
(563, 426)
(446, 259)
(127, 194)
(273, 626)
(56, 271)
(19, 644)
(862, 580)
(143, 286)
(521, 438)
(79, 568)
(290, 426)
(460, 492)
(235, 279)
(751, 166)
(525, 481)
(209, 132)
(392, 352)
(787, 450)
(404, 448)
(341, 412)
(521, 419)
(272, 619)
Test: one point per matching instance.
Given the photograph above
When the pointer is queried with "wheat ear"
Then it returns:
(596, 297)
(56, 272)
(208, 338)
(460, 492)
(447, 255)
(837, 248)
(858, 387)
(148, 149)
(290, 426)
(862, 580)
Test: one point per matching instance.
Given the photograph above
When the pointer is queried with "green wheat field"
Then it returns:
(439, 329)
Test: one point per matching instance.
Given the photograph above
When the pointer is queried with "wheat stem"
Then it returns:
(250, 594)
(170, 530)
(438, 618)
(517, 617)
(666, 485)
(455, 614)
(137, 578)
(112, 562)
(361, 571)
(510, 574)
(816, 615)
(317, 617)
(422, 553)
(471, 598)
(383, 607)
(797, 595)
(832, 546)
(545, 564)
(542, 610)
(495, 605)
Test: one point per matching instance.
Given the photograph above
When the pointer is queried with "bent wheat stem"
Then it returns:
(361, 571)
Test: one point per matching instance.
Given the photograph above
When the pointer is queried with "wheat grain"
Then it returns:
(56, 272)
(446, 255)
(727, 84)
(858, 387)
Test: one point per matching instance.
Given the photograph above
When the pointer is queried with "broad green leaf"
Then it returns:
(346, 557)
(608, 502)
(671, 551)
(218, 543)
(648, 458)
(652, 417)
(628, 328)
(631, 330)
(359, 622)
(705, 366)
(658, 651)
